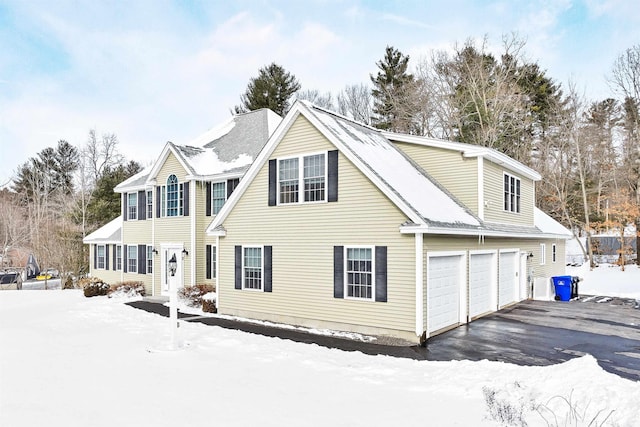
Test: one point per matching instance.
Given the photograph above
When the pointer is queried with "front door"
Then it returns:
(168, 251)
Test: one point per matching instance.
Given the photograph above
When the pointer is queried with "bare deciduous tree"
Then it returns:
(355, 102)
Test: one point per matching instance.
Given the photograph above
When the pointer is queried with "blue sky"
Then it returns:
(159, 70)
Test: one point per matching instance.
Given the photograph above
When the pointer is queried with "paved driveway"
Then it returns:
(534, 333)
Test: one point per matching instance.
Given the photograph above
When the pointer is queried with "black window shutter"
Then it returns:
(332, 176)
(381, 273)
(106, 257)
(95, 256)
(208, 261)
(186, 199)
(268, 271)
(238, 267)
(338, 271)
(142, 204)
(124, 206)
(158, 202)
(231, 185)
(208, 199)
(125, 254)
(115, 259)
(142, 259)
(273, 169)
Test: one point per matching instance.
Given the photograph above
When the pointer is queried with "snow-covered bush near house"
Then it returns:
(130, 289)
(192, 295)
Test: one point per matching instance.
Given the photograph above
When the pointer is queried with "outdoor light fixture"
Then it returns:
(185, 252)
(530, 255)
(155, 251)
(173, 265)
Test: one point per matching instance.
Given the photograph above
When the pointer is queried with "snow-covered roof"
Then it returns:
(111, 232)
(226, 149)
(548, 225)
(395, 170)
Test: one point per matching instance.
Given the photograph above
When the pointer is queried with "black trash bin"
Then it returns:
(574, 286)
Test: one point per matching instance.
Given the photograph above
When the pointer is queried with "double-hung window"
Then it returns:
(252, 268)
(132, 206)
(359, 272)
(149, 259)
(511, 193)
(132, 258)
(302, 179)
(289, 181)
(118, 257)
(149, 204)
(100, 256)
(218, 196)
(214, 264)
(173, 196)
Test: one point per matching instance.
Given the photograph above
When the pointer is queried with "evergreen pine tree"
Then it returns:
(273, 88)
(391, 87)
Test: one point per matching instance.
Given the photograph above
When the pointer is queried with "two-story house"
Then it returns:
(167, 207)
(339, 225)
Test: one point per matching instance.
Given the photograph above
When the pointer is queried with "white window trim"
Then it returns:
(118, 258)
(149, 204)
(104, 257)
(543, 253)
(135, 207)
(261, 247)
(214, 263)
(373, 273)
(130, 258)
(518, 195)
(301, 178)
(554, 253)
(180, 191)
(212, 199)
(149, 257)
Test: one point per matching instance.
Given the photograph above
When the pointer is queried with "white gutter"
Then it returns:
(425, 229)
(192, 213)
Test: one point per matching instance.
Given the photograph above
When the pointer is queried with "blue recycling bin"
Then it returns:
(562, 285)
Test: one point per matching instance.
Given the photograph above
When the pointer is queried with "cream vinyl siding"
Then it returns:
(303, 237)
(202, 222)
(108, 276)
(494, 197)
(457, 174)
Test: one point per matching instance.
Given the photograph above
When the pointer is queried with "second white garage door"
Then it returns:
(482, 284)
(507, 286)
(443, 286)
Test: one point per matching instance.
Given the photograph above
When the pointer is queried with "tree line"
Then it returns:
(58, 197)
(587, 151)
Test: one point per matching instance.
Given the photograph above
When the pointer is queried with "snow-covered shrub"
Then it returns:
(192, 295)
(506, 407)
(209, 303)
(130, 289)
(68, 282)
(93, 286)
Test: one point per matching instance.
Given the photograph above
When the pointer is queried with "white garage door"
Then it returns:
(481, 282)
(443, 283)
(507, 279)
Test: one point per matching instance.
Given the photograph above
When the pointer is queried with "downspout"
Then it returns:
(193, 210)
(218, 273)
(419, 260)
(481, 187)
(153, 241)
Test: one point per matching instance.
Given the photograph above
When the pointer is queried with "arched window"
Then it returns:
(173, 196)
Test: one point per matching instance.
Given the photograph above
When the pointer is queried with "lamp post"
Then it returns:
(173, 301)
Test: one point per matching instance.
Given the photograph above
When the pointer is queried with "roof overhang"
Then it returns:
(479, 232)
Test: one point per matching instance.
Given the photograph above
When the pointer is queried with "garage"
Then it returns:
(507, 278)
(444, 279)
(482, 284)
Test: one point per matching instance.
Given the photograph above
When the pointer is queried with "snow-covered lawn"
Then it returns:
(67, 360)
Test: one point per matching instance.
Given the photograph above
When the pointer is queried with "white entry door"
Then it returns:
(443, 291)
(507, 278)
(169, 251)
(482, 283)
